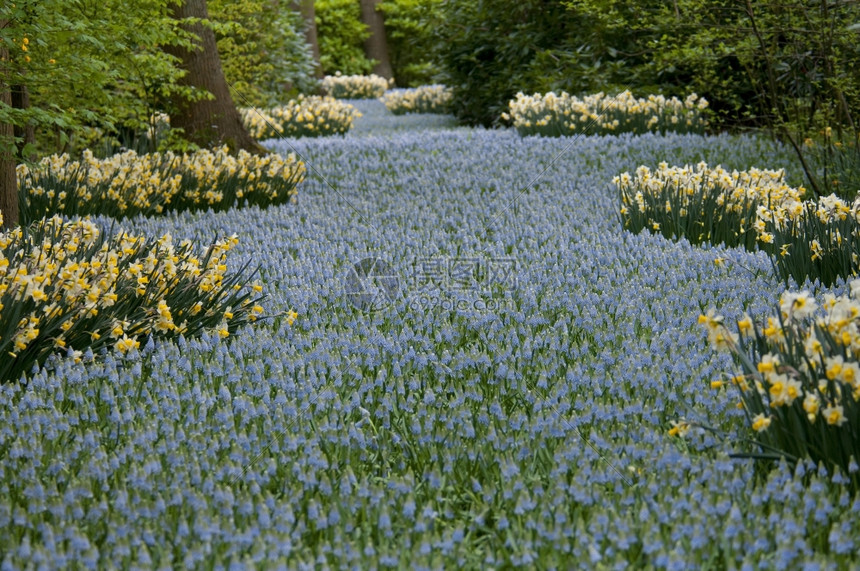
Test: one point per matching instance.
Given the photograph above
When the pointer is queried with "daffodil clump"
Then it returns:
(701, 203)
(66, 289)
(800, 377)
(553, 115)
(312, 116)
(355, 86)
(815, 239)
(424, 99)
(129, 184)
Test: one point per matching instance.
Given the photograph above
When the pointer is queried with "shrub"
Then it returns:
(65, 287)
(303, 117)
(355, 86)
(411, 29)
(554, 115)
(341, 35)
(424, 99)
(800, 379)
(129, 184)
(492, 49)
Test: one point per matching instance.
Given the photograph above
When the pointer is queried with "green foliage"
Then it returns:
(263, 52)
(410, 28)
(87, 64)
(492, 49)
(341, 35)
(790, 67)
(66, 288)
(96, 73)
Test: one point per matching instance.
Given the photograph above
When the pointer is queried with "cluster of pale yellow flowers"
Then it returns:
(73, 290)
(312, 116)
(735, 190)
(828, 371)
(128, 182)
(828, 209)
(621, 113)
(355, 86)
(424, 99)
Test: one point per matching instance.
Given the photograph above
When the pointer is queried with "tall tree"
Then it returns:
(24, 134)
(308, 12)
(8, 178)
(376, 45)
(210, 118)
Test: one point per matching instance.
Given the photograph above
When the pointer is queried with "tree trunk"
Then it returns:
(27, 133)
(306, 9)
(376, 46)
(206, 122)
(8, 177)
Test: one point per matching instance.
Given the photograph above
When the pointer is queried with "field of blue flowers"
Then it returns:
(500, 395)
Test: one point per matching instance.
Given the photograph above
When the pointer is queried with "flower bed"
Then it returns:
(814, 239)
(65, 288)
(129, 184)
(552, 115)
(425, 99)
(303, 117)
(355, 86)
(701, 203)
(800, 380)
(508, 408)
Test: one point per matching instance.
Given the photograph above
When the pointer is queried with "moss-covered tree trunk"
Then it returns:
(8, 178)
(214, 121)
(376, 45)
(27, 133)
(308, 12)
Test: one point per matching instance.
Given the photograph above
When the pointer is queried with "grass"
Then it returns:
(437, 431)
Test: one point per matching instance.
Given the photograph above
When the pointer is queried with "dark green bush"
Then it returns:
(492, 49)
(790, 68)
(341, 35)
(410, 28)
